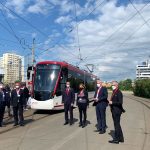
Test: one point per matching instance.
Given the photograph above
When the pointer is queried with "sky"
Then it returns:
(113, 35)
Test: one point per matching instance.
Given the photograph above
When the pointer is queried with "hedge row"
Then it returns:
(142, 88)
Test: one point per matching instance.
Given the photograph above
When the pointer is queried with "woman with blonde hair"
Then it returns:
(82, 103)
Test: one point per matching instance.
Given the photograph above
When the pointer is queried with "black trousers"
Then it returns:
(118, 130)
(26, 101)
(2, 111)
(18, 113)
(8, 104)
(82, 111)
(68, 109)
(101, 115)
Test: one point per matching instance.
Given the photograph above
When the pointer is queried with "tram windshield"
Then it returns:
(45, 81)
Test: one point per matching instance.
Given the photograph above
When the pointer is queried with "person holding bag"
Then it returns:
(82, 103)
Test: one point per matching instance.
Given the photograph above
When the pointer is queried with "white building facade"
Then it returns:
(13, 67)
(143, 70)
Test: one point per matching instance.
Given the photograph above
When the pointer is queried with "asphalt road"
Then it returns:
(44, 130)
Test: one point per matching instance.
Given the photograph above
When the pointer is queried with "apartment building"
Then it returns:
(13, 67)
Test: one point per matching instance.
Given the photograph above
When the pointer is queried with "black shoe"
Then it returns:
(65, 123)
(21, 124)
(15, 124)
(71, 123)
(80, 124)
(83, 125)
(102, 131)
(122, 141)
(114, 142)
(97, 130)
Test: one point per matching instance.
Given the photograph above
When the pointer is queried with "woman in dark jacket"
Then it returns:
(82, 103)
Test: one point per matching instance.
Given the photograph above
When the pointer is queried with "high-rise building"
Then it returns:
(13, 68)
(143, 70)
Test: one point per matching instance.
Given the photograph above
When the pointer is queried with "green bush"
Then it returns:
(142, 88)
(126, 85)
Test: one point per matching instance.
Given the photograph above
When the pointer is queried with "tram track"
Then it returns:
(35, 116)
(146, 104)
(55, 146)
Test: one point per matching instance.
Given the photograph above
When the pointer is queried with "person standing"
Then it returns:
(115, 103)
(26, 95)
(2, 104)
(17, 102)
(82, 103)
(7, 92)
(100, 99)
(68, 98)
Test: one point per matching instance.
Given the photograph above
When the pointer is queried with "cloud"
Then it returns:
(17, 5)
(40, 7)
(106, 37)
(26, 7)
(63, 19)
(118, 54)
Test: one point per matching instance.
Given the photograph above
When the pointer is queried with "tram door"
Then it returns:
(62, 81)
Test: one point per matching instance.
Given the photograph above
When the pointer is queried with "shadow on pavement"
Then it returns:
(112, 133)
(48, 112)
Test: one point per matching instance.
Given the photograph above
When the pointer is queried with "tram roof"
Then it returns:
(65, 64)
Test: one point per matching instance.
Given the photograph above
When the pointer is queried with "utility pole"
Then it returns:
(33, 53)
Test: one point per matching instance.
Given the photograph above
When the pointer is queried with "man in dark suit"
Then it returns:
(7, 93)
(2, 104)
(17, 102)
(68, 98)
(100, 99)
(115, 103)
(26, 94)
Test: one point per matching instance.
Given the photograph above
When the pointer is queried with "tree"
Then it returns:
(126, 85)
(142, 88)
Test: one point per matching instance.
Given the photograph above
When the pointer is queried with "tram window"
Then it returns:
(63, 79)
(28, 75)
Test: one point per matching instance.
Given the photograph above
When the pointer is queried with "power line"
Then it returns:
(97, 6)
(139, 13)
(27, 22)
(70, 53)
(30, 24)
(12, 31)
(6, 29)
(36, 27)
(3, 39)
(134, 32)
(116, 31)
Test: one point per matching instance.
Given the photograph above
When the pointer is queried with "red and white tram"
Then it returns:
(50, 79)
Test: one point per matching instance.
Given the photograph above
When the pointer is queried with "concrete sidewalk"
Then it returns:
(50, 134)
